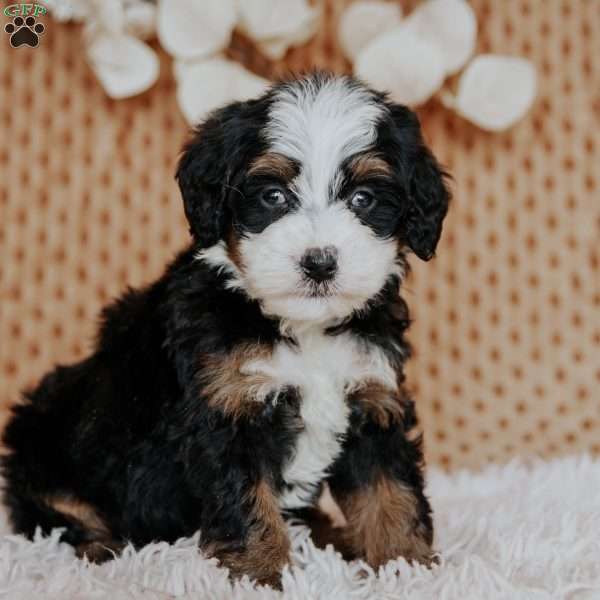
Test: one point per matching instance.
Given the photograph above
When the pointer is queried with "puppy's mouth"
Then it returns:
(317, 290)
(317, 294)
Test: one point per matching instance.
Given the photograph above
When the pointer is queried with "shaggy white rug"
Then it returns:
(515, 532)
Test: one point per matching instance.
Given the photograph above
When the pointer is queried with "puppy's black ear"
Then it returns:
(429, 198)
(218, 150)
(425, 185)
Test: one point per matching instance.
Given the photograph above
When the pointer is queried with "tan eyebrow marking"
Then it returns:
(274, 164)
(369, 165)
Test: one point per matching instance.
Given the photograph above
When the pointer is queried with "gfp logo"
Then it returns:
(24, 29)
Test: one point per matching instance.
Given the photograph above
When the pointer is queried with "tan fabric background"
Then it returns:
(507, 325)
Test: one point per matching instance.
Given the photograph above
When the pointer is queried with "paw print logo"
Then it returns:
(24, 32)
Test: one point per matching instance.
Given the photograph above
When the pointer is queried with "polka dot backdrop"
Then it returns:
(506, 319)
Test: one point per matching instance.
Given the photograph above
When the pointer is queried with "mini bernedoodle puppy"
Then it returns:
(265, 362)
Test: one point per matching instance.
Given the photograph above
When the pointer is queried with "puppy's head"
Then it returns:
(310, 196)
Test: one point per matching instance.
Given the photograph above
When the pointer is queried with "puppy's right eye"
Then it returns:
(362, 200)
(273, 197)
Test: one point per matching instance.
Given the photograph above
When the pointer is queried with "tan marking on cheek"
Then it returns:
(383, 523)
(83, 512)
(383, 404)
(274, 164)
(228, 388)
(370, 165)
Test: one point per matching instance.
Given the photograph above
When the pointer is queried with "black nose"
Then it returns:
(319, 264)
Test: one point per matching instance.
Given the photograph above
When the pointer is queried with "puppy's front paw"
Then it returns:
(263, 567)
(272, 580)
(386, 520)
(266, 549)
(398, 541)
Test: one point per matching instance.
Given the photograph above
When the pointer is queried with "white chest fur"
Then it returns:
(324, 368)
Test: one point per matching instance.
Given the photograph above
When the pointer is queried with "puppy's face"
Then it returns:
(310, 196)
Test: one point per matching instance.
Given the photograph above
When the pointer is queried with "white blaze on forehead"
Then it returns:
(320, 123)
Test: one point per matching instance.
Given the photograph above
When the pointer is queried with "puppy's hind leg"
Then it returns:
(97, 544)
(83, 528)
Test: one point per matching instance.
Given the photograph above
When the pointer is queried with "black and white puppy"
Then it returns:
(266, 361)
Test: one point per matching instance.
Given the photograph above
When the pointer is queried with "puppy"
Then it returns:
(266, 361)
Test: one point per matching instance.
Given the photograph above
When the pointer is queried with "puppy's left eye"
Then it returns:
(362, 200)
(273, 197)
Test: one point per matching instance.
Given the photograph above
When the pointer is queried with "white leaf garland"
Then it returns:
(188, 29)
(363, 21)
(494, 91)
(399, 62)
(209, 84)
(124, 65)
(450, 25)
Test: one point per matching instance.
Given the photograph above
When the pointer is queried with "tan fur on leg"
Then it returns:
(82, 512)
(383, 523)
(267, 547)
(100, 546)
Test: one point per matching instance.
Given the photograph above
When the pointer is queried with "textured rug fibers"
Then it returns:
(514, 532)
